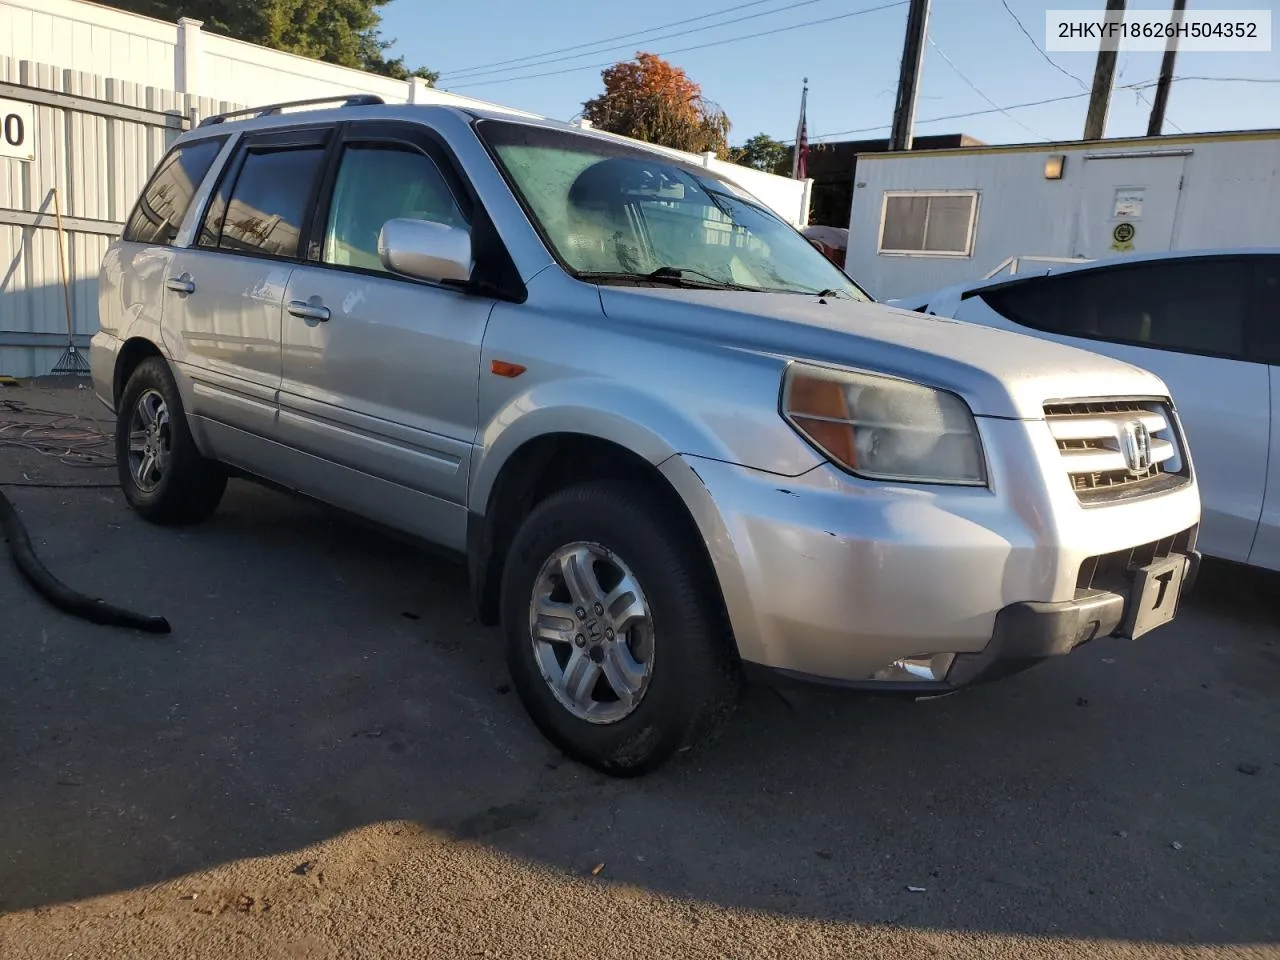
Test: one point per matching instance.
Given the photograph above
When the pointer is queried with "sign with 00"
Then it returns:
(17, 129)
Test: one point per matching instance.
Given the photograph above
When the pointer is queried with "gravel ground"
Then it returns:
(324, 760)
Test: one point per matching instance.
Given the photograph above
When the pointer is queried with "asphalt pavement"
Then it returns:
(324, 759)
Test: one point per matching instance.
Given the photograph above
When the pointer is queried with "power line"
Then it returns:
(1066, 73)
(1151, 83)
(1167, 119)
(699, 46)
(954, 116)
(1138, 88)
(974, 88)
(1035, 43)
(594, 43)
(542, 59)
(1036, 103)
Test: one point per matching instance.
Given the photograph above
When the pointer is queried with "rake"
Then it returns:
(71, 361)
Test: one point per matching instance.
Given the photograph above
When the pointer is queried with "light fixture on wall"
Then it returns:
(1053, 166)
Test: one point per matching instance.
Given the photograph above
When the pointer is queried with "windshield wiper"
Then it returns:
(673, 276)
(678, 273)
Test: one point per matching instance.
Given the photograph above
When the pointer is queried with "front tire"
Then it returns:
(162, 474)
(615, 637)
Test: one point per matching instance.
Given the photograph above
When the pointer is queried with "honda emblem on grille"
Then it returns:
(1135, 444)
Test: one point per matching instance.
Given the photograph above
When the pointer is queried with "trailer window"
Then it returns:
(930, 224)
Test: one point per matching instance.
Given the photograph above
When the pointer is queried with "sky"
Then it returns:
(978, 59)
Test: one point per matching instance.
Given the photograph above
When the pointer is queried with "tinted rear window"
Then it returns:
(270, 201)
(1192, 306)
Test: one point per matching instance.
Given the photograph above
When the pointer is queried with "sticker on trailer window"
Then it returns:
(1128, 203)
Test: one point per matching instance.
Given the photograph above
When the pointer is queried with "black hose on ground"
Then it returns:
(58, 593)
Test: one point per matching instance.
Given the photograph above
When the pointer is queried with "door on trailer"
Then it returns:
(1128, 204)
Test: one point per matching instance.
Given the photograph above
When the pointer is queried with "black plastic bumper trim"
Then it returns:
(1027, 633)
(778, 677)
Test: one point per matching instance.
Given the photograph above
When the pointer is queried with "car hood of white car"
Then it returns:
(999, 373)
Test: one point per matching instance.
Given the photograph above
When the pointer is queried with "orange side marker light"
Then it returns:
(504, 369)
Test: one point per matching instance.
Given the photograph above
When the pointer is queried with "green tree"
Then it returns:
(763, 153)
(344, 32)
(652, 100)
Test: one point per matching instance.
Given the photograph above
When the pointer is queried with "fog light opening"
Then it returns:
(930, 668)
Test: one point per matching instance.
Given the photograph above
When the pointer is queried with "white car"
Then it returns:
(1208, 324)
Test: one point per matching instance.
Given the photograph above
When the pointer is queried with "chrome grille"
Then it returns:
(1091, 439)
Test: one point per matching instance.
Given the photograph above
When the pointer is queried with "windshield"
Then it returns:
(614, 213)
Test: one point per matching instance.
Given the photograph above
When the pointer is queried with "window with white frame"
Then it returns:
(937, 224)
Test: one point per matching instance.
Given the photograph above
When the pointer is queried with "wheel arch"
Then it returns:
(539, 467)
(132, 352)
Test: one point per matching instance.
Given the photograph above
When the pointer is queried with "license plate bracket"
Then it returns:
(1153, 599)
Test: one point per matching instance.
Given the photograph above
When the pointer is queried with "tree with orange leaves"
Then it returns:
(655, 101)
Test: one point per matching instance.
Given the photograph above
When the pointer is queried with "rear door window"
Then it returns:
(265, 203)
(167, 196)
(1198, 306)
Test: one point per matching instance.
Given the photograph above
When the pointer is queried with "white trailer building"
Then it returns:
(925, 220)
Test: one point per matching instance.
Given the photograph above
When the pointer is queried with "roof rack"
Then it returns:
(351, 100)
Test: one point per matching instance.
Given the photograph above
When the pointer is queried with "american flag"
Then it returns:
(800, 160)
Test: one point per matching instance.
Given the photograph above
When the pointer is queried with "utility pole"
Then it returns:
(1156, 125)
(1103, 77)
(904, 111)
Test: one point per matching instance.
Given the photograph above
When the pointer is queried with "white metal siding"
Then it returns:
(98, 165)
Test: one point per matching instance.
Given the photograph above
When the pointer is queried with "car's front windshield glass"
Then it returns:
(614, 213)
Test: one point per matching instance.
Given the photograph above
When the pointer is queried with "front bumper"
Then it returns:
(827, 576)
(1025, 634)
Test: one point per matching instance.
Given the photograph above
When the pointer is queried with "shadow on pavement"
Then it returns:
(321, 677)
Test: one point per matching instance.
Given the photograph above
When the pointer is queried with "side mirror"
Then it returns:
(426, 250)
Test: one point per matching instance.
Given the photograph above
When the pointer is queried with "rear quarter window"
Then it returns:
(167, 196)
(1187, 306)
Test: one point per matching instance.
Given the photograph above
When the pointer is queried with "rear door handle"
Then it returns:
(308, 312)
(182, 284)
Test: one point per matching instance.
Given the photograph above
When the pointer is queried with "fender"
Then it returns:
(125, 278)
(617, 411)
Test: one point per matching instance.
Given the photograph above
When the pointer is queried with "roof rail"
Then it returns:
(351, 100)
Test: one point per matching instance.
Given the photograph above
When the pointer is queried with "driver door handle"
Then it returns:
(182, 284)
(308, 312)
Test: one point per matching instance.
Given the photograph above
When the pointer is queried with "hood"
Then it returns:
(998, 372)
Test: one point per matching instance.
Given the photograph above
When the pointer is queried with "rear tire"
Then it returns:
(662, 637)
(162, 474)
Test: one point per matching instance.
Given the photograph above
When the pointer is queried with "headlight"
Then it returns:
(882, 428)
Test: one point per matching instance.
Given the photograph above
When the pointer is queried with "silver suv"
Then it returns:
(674, 443)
